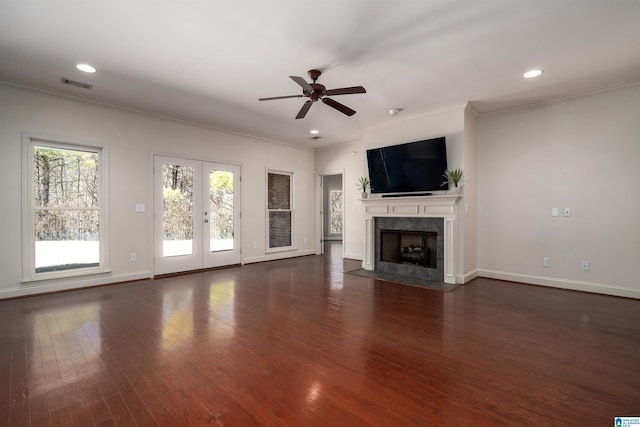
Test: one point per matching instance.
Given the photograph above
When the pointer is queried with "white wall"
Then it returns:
(448, 123)
(350, 159)
(581, 153)
(131, 139)
(468, 228)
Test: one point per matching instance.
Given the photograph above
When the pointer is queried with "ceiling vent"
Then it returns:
(76, 84)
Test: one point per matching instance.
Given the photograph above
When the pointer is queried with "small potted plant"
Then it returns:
(363, 185)
(453, 176)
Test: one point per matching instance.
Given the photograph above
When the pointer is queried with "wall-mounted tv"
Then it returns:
(408, 168)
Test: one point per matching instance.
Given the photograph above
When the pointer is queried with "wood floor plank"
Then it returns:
(298, 342)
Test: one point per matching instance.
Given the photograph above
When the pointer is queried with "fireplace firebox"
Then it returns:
(409, 247)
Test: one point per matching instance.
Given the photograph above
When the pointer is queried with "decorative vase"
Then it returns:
(364, 194)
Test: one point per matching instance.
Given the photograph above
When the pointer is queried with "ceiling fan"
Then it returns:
(315, 91)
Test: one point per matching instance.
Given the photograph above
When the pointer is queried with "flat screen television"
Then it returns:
(408, 168)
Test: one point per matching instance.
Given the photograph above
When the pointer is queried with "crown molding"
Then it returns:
(553, 100)
(79, 98)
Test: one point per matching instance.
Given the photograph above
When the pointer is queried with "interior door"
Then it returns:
(196, 215)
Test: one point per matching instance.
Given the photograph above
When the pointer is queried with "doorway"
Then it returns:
(332, 221)
(196, 215)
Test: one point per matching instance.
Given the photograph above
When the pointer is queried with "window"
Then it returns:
(335, 212)
(279, 207)
(65, 223)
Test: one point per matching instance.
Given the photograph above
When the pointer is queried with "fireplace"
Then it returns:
(424, 215)
(409, 246)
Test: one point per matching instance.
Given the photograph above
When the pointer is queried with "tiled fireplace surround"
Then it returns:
(426, 213)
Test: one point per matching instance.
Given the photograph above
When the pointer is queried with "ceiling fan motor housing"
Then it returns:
(318, 91)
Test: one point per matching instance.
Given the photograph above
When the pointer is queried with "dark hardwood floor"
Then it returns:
(296, 342)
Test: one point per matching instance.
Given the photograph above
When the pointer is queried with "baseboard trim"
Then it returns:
(466, 277)
(352, 255)
(68, 284)
(278, 255)
(598, 288)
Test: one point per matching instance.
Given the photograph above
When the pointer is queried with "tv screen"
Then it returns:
(408, 168)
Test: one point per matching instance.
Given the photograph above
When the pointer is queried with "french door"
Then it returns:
(196, 214)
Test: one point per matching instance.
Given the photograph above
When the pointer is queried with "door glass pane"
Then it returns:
(177, 210)
(220, 210)
(335, 212)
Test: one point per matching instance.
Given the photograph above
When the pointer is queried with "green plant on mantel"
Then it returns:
(452, 175)
(364, 184)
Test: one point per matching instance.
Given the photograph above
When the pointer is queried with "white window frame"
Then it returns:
(29, 141)
(291, 210)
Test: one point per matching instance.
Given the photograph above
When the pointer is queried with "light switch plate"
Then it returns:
(140, 207)
(554, 211)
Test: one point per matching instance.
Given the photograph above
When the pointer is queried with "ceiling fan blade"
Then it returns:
(346, 90)
(304, 109)
(280, 97)
(340, 107)
(302, 82)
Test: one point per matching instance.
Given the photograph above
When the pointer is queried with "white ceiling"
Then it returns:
(209, 61)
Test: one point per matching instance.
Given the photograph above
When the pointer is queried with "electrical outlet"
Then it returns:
(546, 261)
(305, 240)
(584, 265)
(133, 257)
(140, 207)
(255, 245)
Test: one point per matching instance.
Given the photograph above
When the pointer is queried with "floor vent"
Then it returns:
(75, 83)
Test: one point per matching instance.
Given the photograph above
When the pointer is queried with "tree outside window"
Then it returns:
(335, 212)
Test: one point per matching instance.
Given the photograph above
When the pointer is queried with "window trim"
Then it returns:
(291, 209)
(29, 140)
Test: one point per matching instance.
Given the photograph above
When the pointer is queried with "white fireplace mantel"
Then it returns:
(436, 206)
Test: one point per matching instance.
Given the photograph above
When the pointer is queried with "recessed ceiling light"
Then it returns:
(394, 111)
(314, 131)
(531, 74)
(86, 68)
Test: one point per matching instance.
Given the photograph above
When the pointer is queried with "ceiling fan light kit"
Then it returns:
(317, 92)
